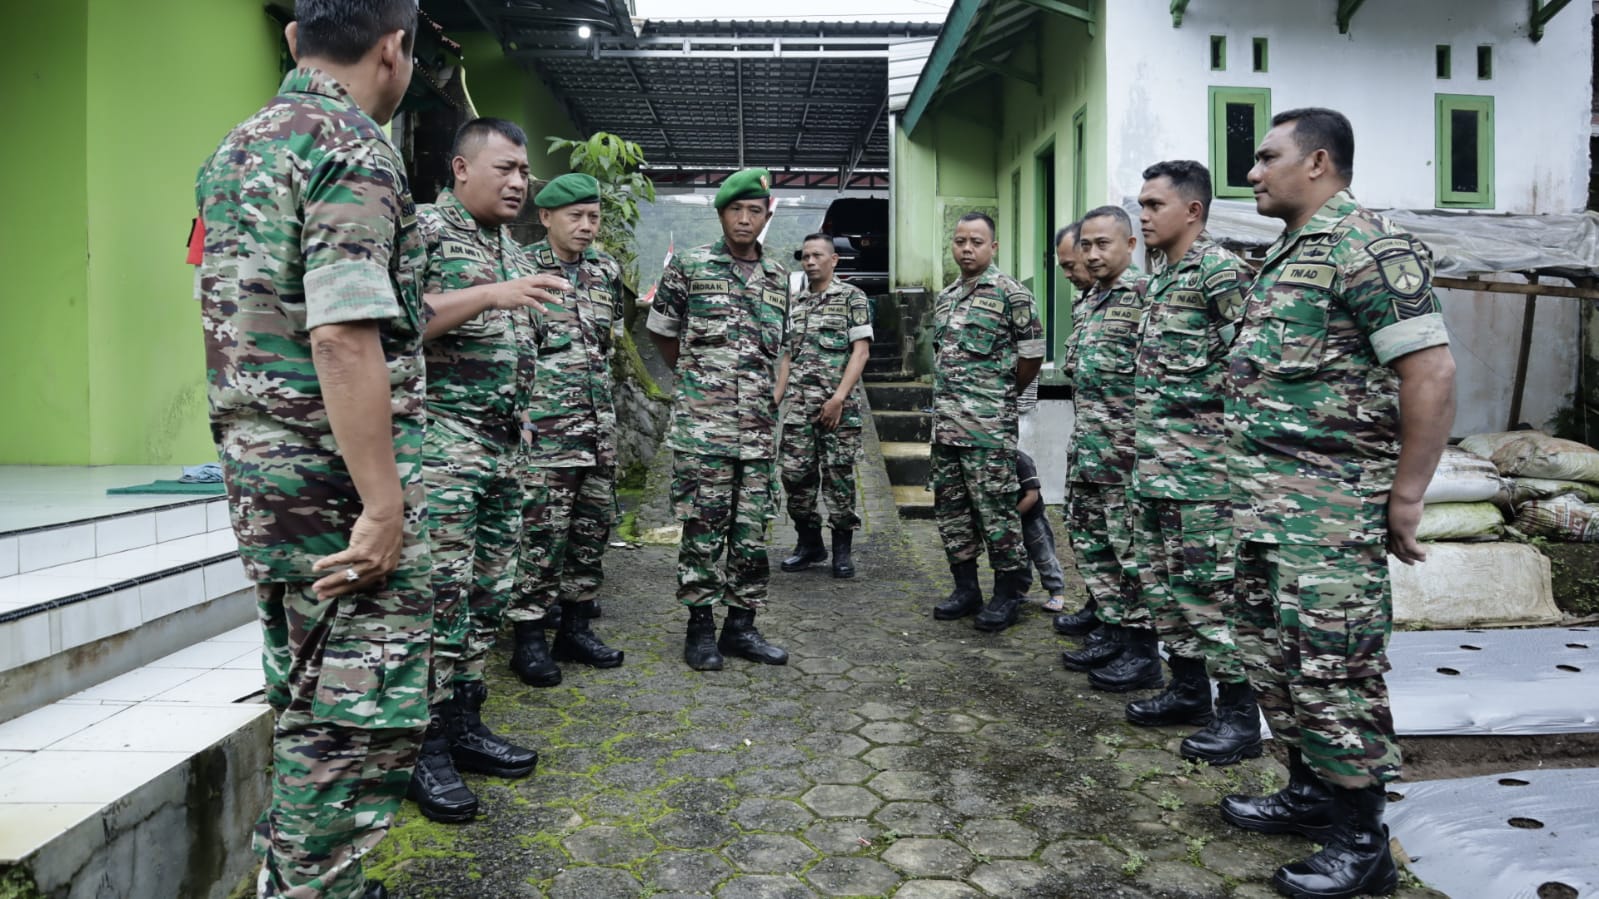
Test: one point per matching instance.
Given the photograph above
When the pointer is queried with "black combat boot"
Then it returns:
(1185, 701)
(808, 549)
(375, 890)
(1006, 603)
(1080, 622)
(436, 787)
(475, 748)
(1234, 735)
(1356, 860)
(843, 563)
(1100, 647)
(699, 644)
(1137, 668)
(740, 638)
(1304, 807)
(966, 598)
(591, 609)
(576, 642)
(531, 658)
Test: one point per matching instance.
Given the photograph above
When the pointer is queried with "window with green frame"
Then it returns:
(1239, 118)
(1465, 154)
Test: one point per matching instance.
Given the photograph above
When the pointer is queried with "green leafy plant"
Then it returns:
(617, 164)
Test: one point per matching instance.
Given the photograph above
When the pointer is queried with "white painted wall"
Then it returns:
(1381, 75)
(1045, 433)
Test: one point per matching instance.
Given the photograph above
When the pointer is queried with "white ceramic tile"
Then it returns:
(8, 756)
(124, 532)
(244, 633)
(159, 728)
(25, 640)
(173, 593)
(245, 661)
(181, 550)
(136, 686)
(221, 686)
(36, 587)
(216, 516)
(57, 546)
(222, 578)
(183, 521)
(8, 556)
(205, 656)
(42, 727)
(112, 569)
(26, 827)
(90, 620)
(67, 777)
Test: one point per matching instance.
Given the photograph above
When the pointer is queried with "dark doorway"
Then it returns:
(1044, 284)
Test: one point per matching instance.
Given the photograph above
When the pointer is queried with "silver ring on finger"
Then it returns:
(351, 575)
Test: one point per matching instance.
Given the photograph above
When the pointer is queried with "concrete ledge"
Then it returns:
(183, 834)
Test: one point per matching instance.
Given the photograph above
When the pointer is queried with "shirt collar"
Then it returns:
(312, 80)
(454, 211)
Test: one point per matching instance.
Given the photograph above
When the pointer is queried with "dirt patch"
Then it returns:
(1574, 576)
(1436, 758)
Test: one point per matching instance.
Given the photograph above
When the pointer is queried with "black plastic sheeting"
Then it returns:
(1534, 681)
(1503, 836)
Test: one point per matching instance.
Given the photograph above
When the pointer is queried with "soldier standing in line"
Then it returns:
(569, 475)
(478, 285)
(829, 338)
(987, 345)
(313, 331)
(720, 311)
(1340, 402)
(1101, 459)
(1070, 257)
(1181, 500)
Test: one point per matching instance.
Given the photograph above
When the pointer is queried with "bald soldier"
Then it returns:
(718, 320)
(1339, 402)
(569, 474)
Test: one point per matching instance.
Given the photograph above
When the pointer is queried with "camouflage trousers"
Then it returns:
(1312, 627)
(348, 680)
(974, 499)
(816, 460)
(474, 524)
(1098, 520)
(1184, 555)
(567, 514)
(725, 505)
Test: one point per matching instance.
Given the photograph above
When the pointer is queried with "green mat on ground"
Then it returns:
(213, 489)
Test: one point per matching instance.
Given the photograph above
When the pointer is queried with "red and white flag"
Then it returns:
(649, 295)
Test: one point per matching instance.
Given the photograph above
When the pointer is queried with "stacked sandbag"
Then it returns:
(1554, 483)
(1464, 499)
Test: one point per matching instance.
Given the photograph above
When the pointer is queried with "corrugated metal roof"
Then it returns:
(905, 62)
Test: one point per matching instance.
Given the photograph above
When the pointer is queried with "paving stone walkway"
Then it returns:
(894, 756)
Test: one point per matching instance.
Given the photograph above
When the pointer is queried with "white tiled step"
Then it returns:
(64, 606)
(63, 764)
(48, 547)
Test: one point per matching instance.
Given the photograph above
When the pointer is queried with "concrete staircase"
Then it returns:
(905, 432)
(132, 732)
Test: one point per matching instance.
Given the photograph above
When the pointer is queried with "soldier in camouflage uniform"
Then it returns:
(1341, 333)
(313, 330)
(718, 319)
(569, 475)
(478, 286)
(987, 345)
(1101, 458)
(1181, 500)
(829, 338)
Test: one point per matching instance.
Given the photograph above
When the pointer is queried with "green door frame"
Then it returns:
(1045, 284)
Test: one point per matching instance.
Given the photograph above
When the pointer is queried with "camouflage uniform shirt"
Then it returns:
(472, 384)
(1107, 355)
(822, 328)
(730, 331)
(1180, 430)
(1313, 408)
(981, 327)
(571, 403)
(312, 157)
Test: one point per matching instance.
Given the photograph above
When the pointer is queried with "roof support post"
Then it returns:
(1542, 13)
(1178, 7)
(1346, 11)
(858, 149)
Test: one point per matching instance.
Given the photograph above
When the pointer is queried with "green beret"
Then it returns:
(749, 184)
(568, 189)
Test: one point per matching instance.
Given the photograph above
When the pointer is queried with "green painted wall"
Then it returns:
(501, 88)
(162, 90)
(44, 386)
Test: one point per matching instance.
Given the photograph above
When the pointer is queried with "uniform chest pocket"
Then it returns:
(1182, 349)
(708, 318)
(1294, 341)
(979, 336)
(832, 339)
(1113, 350)
(487, 324)
(771, 313)
(558, 342)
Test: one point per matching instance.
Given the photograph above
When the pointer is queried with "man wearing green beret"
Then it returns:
(569, 474)
(486, 301)
(718, 319)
